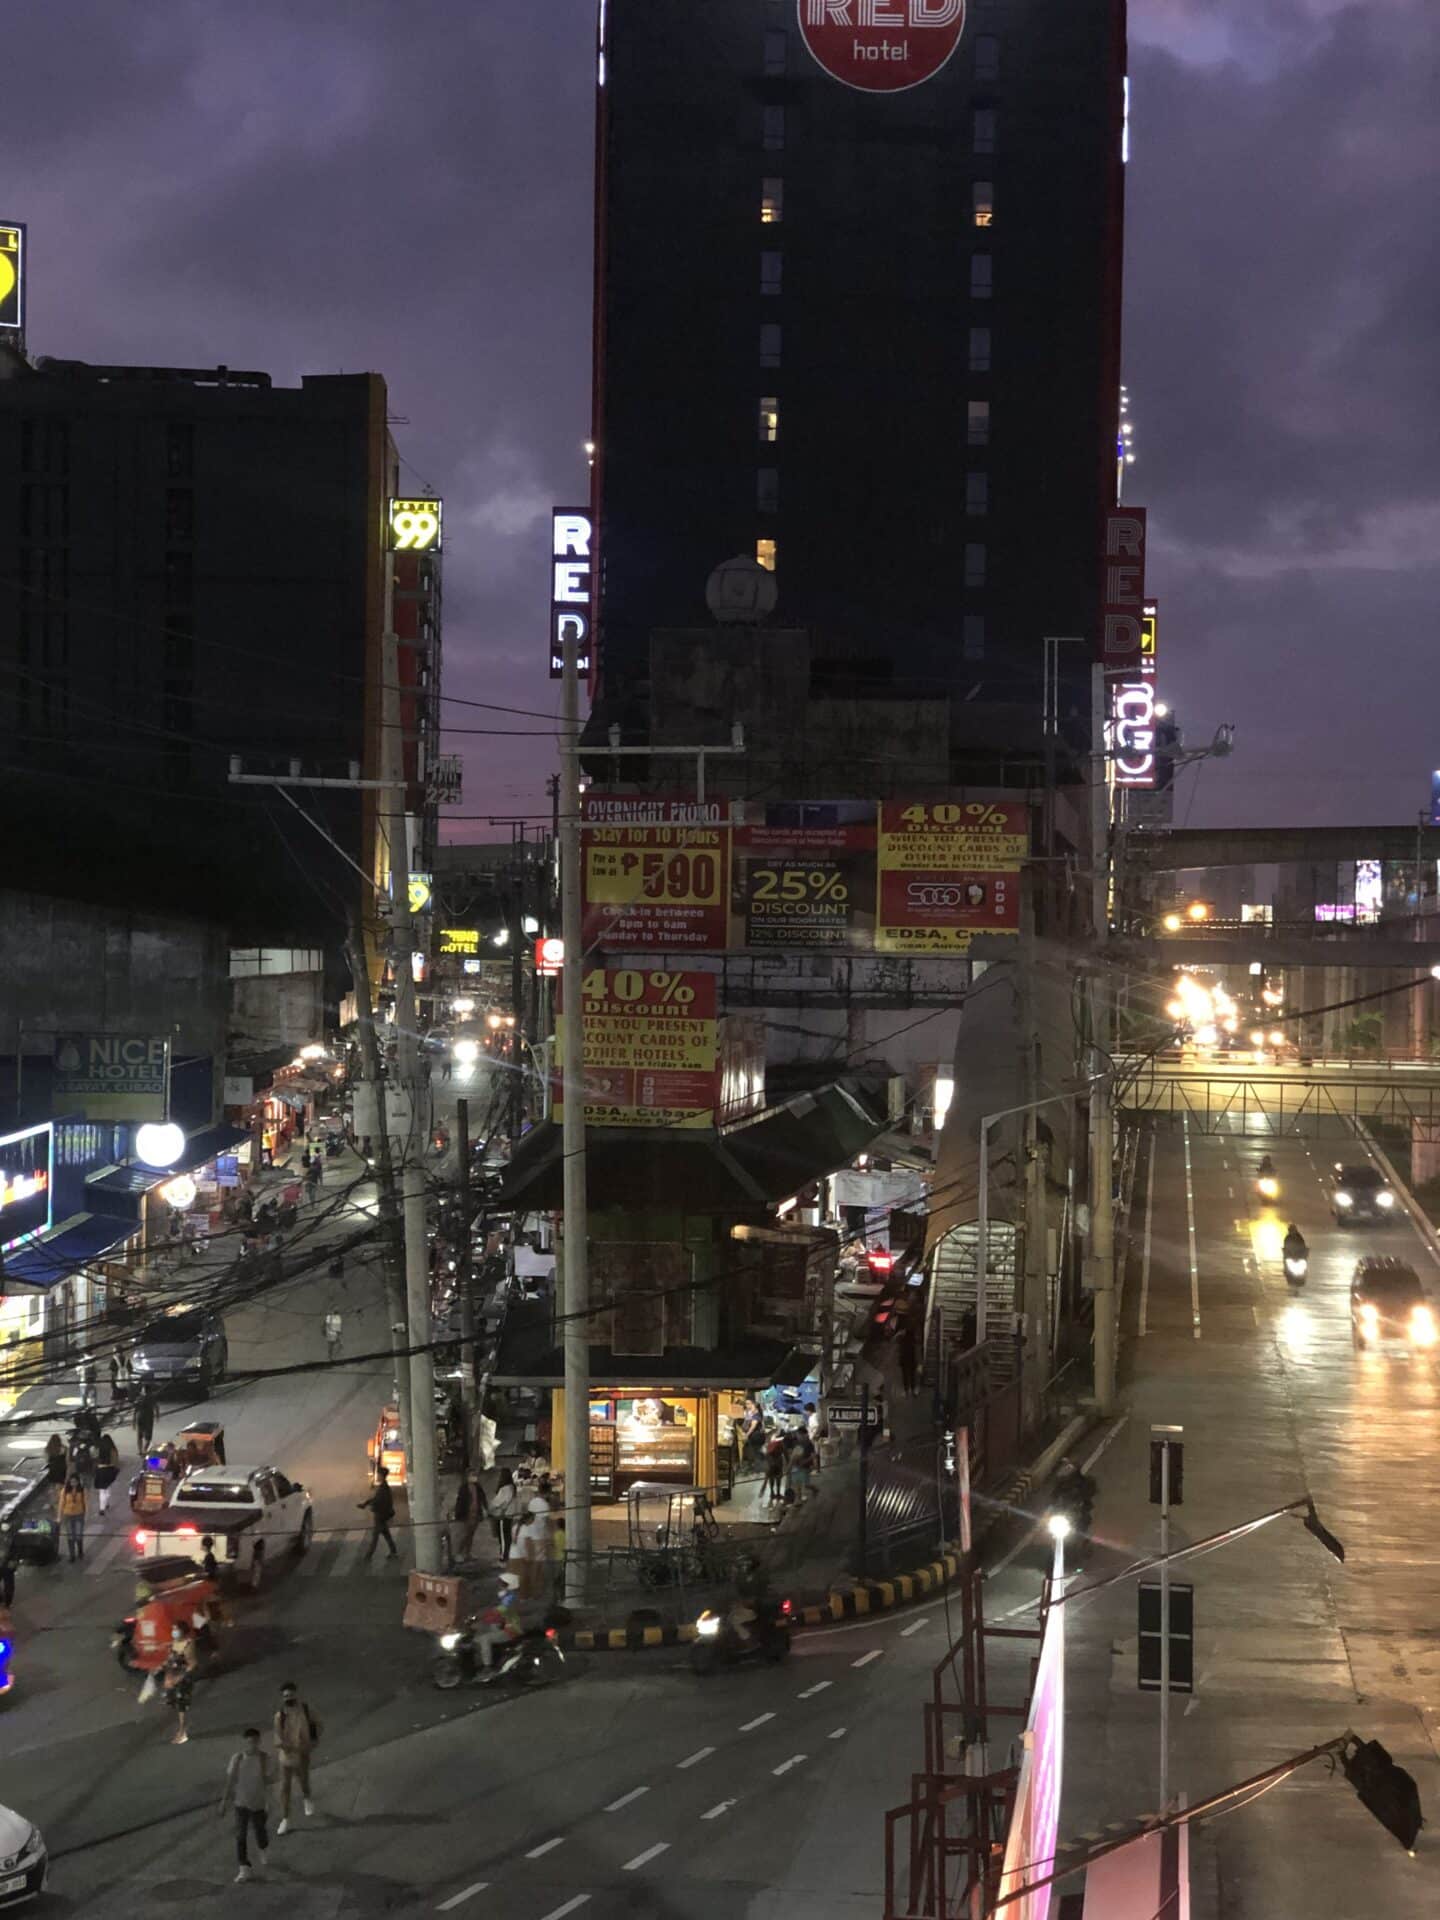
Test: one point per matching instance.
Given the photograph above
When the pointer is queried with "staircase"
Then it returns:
(953, 1297)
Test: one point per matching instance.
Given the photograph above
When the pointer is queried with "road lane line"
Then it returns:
(625, 1799)
(914, 1627)
(459, 1899)
(546, 1846)
(110, 1552)
(819, 1687)
(795, 1760)
(866, 1658)
(1190, 1215)
(559, 1913)
(721, 1806)
(704, 1753)
(1145, 1253)
(839, 1733)
(644, 1859)
(759, 1721)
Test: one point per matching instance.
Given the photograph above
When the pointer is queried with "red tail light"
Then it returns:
(141, 1537)
(880, 1262)
(191, 1532)
(787, 1607)
(549, 1633)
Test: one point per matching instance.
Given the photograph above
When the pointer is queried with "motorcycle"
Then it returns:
(534, 1660)
(7, 1679)
(1266, 1185)
(721, 1640)
(1297, 1265)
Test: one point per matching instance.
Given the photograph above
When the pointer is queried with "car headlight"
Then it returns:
(708, 1625)
(1386, 1199)
(449, 1641)
(29, 1850)
(1422, 1327)
(1342, 1199)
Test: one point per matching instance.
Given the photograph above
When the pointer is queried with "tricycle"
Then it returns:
(168, 1593)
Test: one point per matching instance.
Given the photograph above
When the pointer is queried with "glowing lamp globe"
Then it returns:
(160, 1143)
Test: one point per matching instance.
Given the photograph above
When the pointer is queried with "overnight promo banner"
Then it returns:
(923, 877)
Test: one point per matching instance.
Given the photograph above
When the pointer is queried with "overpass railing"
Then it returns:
(1281, 1103)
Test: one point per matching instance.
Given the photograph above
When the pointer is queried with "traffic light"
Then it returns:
(1385, 1789)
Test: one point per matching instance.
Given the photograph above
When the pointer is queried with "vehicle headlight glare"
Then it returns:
(708, 1625)
(1343, 1200)
(1385, 1199)
(1422, 1326)
(449, 1641)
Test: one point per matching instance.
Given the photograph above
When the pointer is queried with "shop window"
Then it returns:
(977, 494)
(972, 636)
(777, 48)
(770, 419)
(977, 423)
(772, 266)
(772, 202)
(982, 203)
(767, 490)
(772, 129)
(985, 130)
(974, 563)
(765, 554)
(770, 344)
(982, 276)
(979, 349)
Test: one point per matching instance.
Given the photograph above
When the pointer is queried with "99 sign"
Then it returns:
(414, 526)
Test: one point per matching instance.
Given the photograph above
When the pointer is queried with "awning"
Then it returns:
(740, 1169)
(134, 1177)
(67, 1248)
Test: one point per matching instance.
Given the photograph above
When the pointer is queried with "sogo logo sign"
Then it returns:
(881, 46)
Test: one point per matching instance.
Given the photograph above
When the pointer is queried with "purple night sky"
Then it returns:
(351, 184)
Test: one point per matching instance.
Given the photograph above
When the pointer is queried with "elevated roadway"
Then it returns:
(1324, 1100)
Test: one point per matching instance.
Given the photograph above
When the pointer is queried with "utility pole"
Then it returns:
(1100, 1267)
(467, 1300)
(423, 1484)
(576, 1294)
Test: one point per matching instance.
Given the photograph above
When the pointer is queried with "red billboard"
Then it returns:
(1123, 609)
(881, 46)
(947, 871)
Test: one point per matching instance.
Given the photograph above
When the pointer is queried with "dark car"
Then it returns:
(1388, 1306)
(183, 1347)
(1361, 1193)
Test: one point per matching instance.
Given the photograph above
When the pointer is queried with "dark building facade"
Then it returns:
(869, 337)
(192, 566)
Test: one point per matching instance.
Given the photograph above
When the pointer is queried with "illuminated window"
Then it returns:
(767, 489)
(770, 418)
(985, 129)
(974, 563)
(979, 349)
(972, 636)
(982, 203)
(987, 57)
(982, 276)
(977, 423)
(771, 268)
(772, 202)
(765, 554)
(772, 128)
(777, 43)
(770, 344)
(977, 493)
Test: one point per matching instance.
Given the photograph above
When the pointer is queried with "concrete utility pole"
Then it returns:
(575, 1298)
(423, 1484)
(467, 1299)
(1100, 1266)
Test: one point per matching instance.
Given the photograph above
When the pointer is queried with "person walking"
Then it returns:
(56, 1468)
(247, 1790)
(774, 1465)
(89, 1381)
(503, 1504)
(471, 1507)
(381, 1508)
(114, 1379)
(296, 1732)
(8, 1556)
(107, 1466)
(532, 1539)
(72, 1516)
(177, 1678)
(802, 1462)
(144, 1419)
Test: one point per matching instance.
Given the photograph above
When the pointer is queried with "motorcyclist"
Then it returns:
(1295, 1247)
(1074, 1494)
(1267, 1167)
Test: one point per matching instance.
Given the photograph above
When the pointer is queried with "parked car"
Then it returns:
(185, 1346)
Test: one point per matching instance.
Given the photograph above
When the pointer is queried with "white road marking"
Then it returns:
(1190, 1215)
(819, 1687)
(795, 1760)
(559, 1913)
(838, 1734)
(1114, 1434)
(459, 1899)
(1145, 1254)
(546, 1846)
(866, 1658)
(644, 1859)
(759, 1721)
(721, 1806)
(625, 1799)
(113, 1547)
(703, 1753)
(914, 1627)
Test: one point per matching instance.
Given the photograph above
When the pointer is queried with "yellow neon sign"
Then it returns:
(415, 526)
(12, 277)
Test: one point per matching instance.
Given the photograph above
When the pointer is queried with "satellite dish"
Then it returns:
(740, 592)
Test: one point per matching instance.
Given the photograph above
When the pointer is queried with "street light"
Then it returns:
(1059, 1525)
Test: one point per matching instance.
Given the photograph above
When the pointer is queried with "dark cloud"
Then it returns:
(352, 183)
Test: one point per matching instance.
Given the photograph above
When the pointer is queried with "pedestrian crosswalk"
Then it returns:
(111, 1553)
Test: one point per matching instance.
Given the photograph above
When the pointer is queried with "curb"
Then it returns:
(869, 1597)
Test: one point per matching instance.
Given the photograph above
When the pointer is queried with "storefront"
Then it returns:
(681, 1436)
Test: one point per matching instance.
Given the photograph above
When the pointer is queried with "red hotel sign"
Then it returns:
(1124, 599)
(881, 46)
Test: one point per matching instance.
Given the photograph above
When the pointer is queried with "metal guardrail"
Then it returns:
(1279, 1103)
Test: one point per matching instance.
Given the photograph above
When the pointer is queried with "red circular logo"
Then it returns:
(881, 46)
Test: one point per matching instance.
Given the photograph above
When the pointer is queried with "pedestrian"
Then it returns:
(774, 1464)
(107, 1466)
(247, 1789)
(752, 1435)
(812, 1419)
(114, 1379)
(802, 1462)
(209, 1565)
(533, 1540)
(144, 1419)
(56, 1468)
(72, 1513)
(89, 1381)
(8, 1554)
(317, 1169)
(296, 1732)
(305, 1159)
(177, 1677)
(381, 1508)
(503, 1503)
(471, 1507)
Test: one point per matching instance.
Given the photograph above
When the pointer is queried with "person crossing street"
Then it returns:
(381, 1508)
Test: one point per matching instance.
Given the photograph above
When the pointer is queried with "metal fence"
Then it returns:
(1275, 1104)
